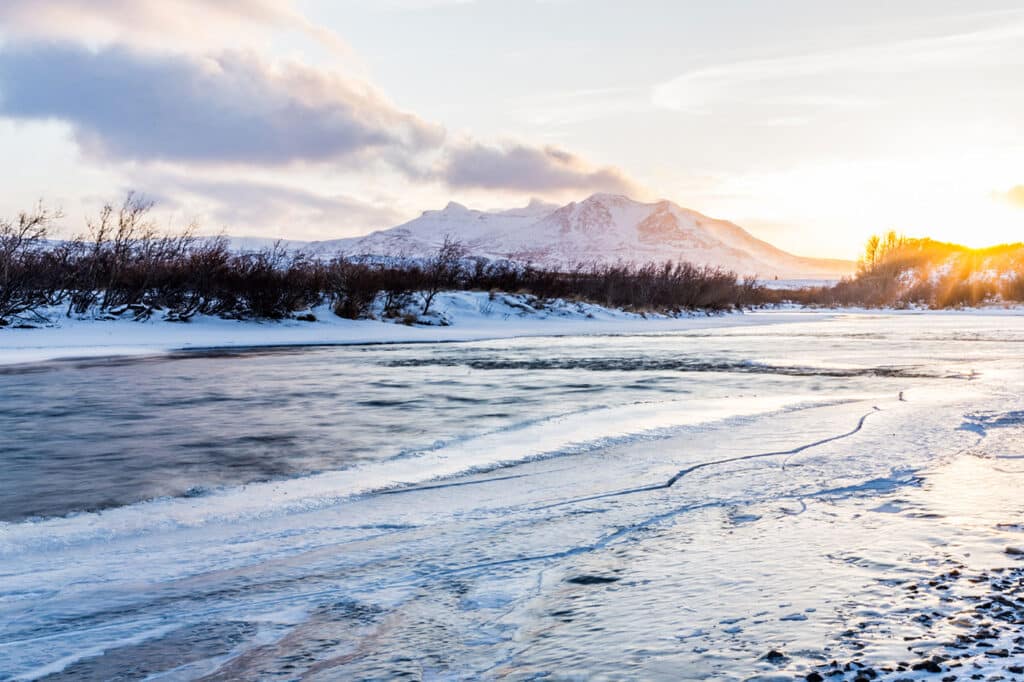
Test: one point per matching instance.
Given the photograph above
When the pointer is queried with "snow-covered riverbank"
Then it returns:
(456, 316)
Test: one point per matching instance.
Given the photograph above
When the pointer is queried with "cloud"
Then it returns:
(123, 104)
(247, 207)
(177, 23)
(236, 108)
(527, 169)
(139, 92)
(572, 107)
(698, 90)
(1013, 196)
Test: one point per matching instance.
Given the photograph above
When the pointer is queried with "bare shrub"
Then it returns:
(441, 271)
(353, 287)
(23, 282)
(273, 283)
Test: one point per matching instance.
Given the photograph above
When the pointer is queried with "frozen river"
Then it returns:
(679, 505)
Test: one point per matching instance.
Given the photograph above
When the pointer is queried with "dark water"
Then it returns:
(78, 436)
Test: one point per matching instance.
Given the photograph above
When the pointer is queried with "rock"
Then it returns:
(814, 677)
(997, 653)
(928, 666)
(774, 656)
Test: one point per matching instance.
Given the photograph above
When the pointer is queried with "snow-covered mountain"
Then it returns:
(604, 228)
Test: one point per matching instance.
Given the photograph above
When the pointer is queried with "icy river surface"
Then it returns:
(723, 503)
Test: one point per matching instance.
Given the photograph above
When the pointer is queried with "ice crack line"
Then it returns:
(456, 484)
(696, 467)
(609, 538)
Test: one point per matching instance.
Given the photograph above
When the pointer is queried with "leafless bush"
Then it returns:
(353, 287)
(272, 284)
(441, 271)
(23, 260)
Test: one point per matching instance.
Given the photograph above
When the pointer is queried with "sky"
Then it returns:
(812, 123)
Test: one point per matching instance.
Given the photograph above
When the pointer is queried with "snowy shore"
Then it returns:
(456, 316)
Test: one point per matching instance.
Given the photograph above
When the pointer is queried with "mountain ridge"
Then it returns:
(603, 228)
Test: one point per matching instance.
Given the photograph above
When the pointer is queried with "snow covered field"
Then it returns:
(703, 498)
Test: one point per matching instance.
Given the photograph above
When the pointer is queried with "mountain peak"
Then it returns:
(609, 198)
(604, 227)
(538, 204)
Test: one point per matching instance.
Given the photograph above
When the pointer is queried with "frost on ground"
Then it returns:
(731, 502)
